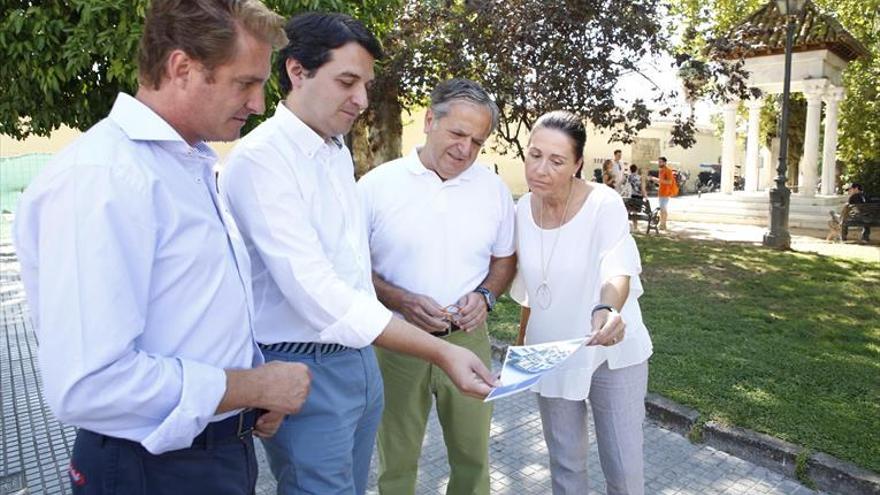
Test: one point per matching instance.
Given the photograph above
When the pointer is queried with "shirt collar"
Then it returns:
(140, 123)
(309, 141)
(414, 164)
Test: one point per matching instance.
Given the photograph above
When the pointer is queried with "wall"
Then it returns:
(706, 150)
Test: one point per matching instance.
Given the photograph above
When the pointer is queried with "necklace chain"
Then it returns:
(544, 289)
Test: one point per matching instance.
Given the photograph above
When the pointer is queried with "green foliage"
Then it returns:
(65, 62)
(534, 56)
(859, 140)
(801, 467)
(859, 146)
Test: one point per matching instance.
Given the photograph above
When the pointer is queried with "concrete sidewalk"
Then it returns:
(803, 241)
(35, 448)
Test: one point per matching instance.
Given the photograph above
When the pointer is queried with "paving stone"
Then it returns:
(36, 445)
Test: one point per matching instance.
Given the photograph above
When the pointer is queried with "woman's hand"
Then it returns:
(608, 328)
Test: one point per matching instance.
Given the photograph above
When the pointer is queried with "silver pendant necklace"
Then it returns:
(543, 292)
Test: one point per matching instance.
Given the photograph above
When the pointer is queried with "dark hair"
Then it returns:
(633, 168)
(452, 90)
(569, 124)
(662, 158)
(616, 152)
(313, 35)
(856, 185)
(206, 30)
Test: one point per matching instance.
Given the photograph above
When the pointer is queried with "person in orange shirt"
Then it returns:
(668, 188)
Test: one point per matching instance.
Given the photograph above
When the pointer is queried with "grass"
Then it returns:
(782, 343)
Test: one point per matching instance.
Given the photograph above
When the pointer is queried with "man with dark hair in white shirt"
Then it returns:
(137, 279)
(290, 186)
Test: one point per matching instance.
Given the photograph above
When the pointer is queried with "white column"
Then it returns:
(751, 172)
(771, 164)
(728, 147)
(832, 98)
(813, 91)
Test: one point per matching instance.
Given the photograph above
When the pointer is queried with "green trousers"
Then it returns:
(410, 385)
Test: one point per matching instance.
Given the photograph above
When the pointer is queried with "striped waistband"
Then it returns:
(304, 348)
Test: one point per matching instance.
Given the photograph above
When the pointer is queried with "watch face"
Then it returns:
(488, 296)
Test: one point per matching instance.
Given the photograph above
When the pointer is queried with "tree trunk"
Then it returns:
(375, 137)
(386, 130)
(361, 151)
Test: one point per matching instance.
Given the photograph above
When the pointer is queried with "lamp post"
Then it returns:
(780, 196)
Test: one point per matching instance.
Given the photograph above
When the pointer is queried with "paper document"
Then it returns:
(525, 365)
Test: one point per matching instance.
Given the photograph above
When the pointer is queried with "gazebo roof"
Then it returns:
(763, 33)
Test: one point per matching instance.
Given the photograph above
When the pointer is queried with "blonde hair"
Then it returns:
(207, 30)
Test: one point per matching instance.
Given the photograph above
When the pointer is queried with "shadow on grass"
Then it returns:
(783, 343)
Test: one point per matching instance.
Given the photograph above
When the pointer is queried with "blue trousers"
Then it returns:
(104, 465)
(326, 448)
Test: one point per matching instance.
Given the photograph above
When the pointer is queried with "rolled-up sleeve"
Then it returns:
(265, 199)
(619, 254)
(87, 250)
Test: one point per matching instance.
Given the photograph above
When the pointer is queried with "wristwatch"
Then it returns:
(488, 296)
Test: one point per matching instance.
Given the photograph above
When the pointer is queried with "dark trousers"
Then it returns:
(103, 465)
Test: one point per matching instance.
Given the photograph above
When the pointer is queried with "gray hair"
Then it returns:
(456, 90)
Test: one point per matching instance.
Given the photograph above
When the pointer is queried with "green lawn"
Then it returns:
(782, 343)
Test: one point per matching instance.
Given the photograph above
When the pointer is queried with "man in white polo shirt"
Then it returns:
(441, 235)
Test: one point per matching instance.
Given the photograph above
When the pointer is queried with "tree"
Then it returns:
(535, 56)
(65, 62)
(859, 140)
(532, 55)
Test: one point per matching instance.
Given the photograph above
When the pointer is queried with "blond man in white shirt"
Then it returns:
(290, 184)
(441, 232)
(137, 279)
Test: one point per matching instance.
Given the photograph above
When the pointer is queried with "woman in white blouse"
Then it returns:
(578, 277)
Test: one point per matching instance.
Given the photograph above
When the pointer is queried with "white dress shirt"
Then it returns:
(436, 237)
(137, 287)
(593, 247)
(293, 195)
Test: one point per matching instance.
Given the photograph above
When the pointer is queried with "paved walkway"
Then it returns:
(805, 241)
(35, 448)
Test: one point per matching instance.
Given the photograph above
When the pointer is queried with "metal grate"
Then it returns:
(35, 446)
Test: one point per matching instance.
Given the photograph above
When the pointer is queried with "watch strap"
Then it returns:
(487, 296)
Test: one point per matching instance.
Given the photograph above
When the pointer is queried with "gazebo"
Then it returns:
(821, 50)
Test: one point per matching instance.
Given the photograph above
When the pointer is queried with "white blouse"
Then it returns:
(593, 247)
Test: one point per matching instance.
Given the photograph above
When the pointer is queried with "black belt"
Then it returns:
(304, 347)
(450, 329)
(237, 426)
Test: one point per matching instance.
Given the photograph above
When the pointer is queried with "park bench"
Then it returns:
(854, 215)
(640, 209)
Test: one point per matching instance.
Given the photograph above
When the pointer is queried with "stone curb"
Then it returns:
(827, 472)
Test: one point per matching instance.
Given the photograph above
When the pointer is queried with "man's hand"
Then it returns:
(284, 386)
(467, 372)
(268, 424)
(423, 312)
(276, 386)
(472, 311)
(608, 328)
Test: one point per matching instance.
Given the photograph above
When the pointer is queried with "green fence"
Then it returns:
(16, 173)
